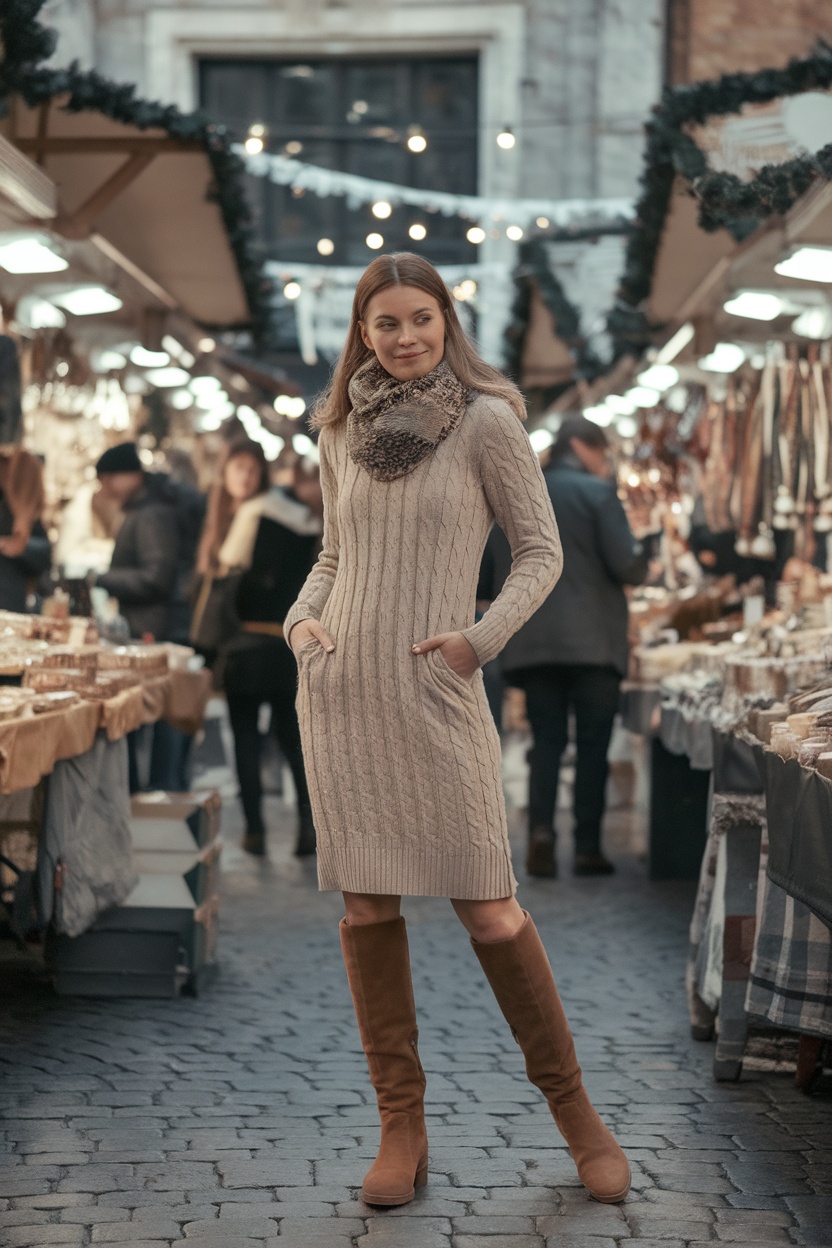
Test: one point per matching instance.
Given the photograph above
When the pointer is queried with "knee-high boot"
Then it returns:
(377, 959)
(521, 978)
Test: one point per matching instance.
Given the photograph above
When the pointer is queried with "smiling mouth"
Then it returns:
(411, 355)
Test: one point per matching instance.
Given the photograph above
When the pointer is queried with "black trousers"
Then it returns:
(244, 712)
(592, 694)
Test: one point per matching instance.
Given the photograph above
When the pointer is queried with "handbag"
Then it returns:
(215, 621)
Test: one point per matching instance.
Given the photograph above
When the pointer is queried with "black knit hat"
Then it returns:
(121, 458)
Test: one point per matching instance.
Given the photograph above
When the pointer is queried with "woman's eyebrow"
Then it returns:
(388, 316)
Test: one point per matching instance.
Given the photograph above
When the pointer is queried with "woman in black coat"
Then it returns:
(25, 552)
(267, 540)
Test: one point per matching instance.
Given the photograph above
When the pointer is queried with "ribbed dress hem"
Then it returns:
(410, 871)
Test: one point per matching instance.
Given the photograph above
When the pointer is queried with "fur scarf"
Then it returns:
(394, 425)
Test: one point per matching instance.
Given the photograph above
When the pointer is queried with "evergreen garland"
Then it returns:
(534, 271)
(725, 201)
(25, 44)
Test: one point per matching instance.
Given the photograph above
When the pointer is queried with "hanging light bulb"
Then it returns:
(325, 246)
(417, 231)
(291, 290)
(374, 241)
(506, 139)
(382, 209)
(542, 223)
(515, 233)
(256, 140)
(416, 140)
(476, 234)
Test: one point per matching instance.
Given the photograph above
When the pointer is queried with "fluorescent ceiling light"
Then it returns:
(807, 264)
(726, 357)
(619, 405)
(87, 301)
(215, 398)
(757, 305)
(626, 426)
(302, 444)
(541, 440)
(600, 414)
(107, 360)
(164, 377)
(204, 385)
(208, 422)
(677, 343)
(659, 377)
(30, 255)
(149, 359)
(181, 400)
(38, 313)
(643, 396)
(814, 323)
(176, 351)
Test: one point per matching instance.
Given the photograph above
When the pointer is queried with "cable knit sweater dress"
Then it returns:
(401, 753)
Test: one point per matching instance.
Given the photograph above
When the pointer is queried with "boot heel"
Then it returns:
(422, 1176)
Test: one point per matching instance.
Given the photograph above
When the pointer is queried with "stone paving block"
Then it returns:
(320, 1232)
(243, 1228)
(497, 1241)
(472, 1225)
(25, 1180)
(24, 1217)
(565, 1239)
(264, 1171)
(129, 1232)
(87, 1215)
(95, 1178)
(406, 1233)
(39, 1236)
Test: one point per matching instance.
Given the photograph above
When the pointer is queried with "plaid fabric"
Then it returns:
(791, 970)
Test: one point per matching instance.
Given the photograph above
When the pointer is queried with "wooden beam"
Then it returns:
(79, 223)
(126, 145)
(43, 125)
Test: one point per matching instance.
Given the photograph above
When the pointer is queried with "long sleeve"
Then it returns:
(624, 556)
(152, 579)
(517, 494)
(318, 585)
(37, 554)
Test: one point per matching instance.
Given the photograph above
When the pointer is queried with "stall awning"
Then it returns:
(144, 192)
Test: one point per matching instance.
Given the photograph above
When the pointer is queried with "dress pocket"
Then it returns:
(445, 674)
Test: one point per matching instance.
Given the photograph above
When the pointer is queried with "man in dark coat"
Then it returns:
(153, 559)
(572, 653)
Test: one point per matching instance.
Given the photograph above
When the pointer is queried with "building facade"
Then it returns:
(573, 80)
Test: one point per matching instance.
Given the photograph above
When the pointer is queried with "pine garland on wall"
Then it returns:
(725, 201)
(26, 44)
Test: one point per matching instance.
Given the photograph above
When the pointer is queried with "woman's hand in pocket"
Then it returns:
(309, 630)
(457, 652)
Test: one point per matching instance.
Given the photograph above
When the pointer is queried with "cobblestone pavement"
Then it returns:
(244, 1118)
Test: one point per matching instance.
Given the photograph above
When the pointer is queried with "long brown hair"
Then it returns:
(21, 480)
(406, 269)
(220, 510)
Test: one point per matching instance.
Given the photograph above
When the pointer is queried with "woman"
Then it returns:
(266, 538)
(421, 448)
(25, 552)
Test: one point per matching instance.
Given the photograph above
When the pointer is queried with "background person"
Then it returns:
(572, 654)
(152, 563)
(25, 552)
(265, 539)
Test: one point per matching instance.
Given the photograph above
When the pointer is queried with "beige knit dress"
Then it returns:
(402, 754)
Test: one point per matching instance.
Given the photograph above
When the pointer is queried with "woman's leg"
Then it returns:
(285, 727)
(243, 712)
(519, 973)
(376, 955)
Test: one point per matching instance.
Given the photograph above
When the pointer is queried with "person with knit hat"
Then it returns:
(421, 448)
(151, 565)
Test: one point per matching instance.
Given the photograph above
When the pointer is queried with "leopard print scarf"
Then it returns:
(394, 425)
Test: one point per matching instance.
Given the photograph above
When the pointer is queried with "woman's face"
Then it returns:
(241, 477)
(405, 327)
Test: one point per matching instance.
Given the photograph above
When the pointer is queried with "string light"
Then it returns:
(417, 231)
(206, 344)
(476, 234)
(515, 233)
(382, 209)
(256, 140)
(542, 223)
(291, 290)
(325, 246)
(416, 141)
(506, 139)
(294, 147)
(374, 241)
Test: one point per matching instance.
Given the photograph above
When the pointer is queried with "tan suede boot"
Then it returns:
(521, 977)
(378, 969)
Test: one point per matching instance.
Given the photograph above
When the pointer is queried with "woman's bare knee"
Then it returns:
(489, 921)
(365, 908)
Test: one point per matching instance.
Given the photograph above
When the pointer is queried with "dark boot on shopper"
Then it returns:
(540, 853)
(378, 969)
(521, 978)
(254, 842)
(306, 843)
(592, 864)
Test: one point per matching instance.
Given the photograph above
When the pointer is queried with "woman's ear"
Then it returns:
(365, 337)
